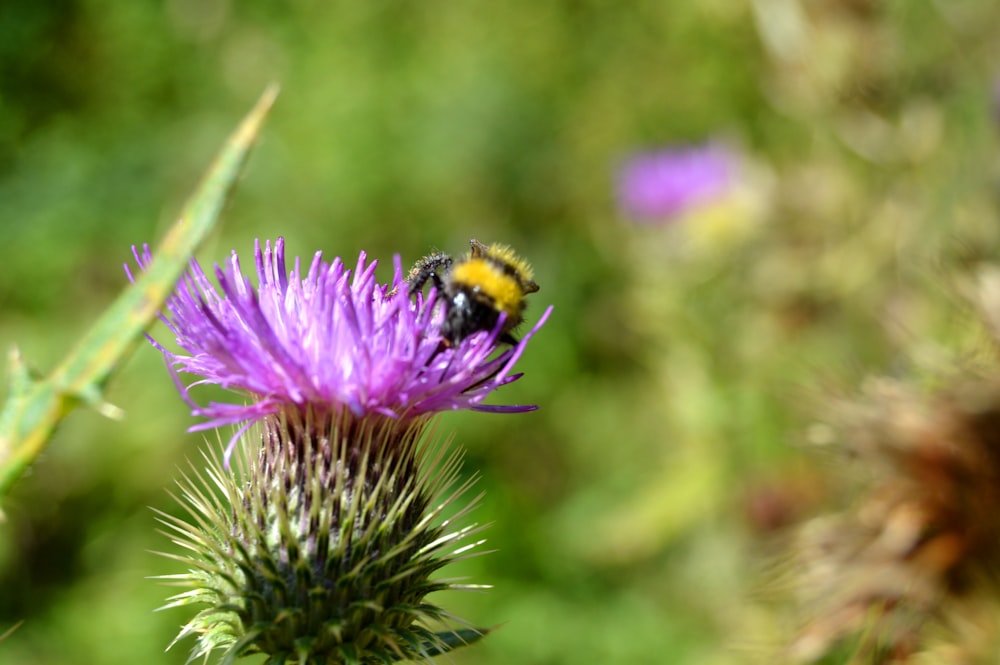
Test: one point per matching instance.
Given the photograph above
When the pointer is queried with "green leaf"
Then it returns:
(35, 406)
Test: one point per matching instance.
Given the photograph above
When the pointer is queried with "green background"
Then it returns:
(685, 371)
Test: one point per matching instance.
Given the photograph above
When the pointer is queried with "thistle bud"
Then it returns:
(318, 545)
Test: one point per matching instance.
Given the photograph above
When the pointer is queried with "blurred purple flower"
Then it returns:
(325, 342)
(660, 186)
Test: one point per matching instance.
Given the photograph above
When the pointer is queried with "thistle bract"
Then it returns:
(318, 546)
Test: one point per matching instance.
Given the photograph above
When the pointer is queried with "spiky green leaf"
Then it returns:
(35, 406)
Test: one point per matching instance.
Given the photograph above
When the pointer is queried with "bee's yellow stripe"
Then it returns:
(492, 282)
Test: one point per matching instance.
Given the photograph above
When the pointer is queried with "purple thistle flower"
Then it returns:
(660, 186)
(324, 544)
(325, 342)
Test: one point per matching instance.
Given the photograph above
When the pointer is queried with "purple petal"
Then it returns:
(331, 340)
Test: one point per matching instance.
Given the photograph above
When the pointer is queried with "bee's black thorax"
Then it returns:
(468, 311)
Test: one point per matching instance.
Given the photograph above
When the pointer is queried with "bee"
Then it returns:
(476, 288)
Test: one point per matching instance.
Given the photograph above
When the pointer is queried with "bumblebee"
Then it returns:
(476, 288)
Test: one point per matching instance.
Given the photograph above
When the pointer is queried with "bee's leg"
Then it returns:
(418, 281)
(427, 269)
(507, 338)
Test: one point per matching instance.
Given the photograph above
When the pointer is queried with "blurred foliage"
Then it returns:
(684, 364)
